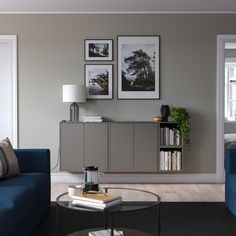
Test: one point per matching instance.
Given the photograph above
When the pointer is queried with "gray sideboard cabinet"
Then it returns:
(134, 146)
(83, 144)
(96, 145)
(71, 146)
(146, 151)
(120, 146)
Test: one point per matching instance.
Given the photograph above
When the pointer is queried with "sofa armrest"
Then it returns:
(230, 161)
(33, 160)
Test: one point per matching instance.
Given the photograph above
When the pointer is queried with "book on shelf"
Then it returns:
(179, 161)
(97, 200)
(162, 160)
(174, 160)
(106, 232)
(91, 119)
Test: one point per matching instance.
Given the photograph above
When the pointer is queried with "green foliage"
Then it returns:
(139, 74)
(139, 64)
(181, 117)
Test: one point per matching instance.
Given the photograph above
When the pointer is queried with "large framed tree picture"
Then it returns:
(138, 67)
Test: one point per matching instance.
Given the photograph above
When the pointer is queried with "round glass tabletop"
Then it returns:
(132, 199)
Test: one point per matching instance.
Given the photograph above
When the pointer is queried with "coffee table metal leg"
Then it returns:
(158, 220)
(106, 221)
(57, 219)
(112, 233)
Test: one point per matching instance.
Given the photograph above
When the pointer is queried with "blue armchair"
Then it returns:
(25, 198)
(230, 179)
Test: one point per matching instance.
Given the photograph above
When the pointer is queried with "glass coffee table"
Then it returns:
(136, 203)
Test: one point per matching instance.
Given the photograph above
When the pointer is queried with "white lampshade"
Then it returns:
(74, 93)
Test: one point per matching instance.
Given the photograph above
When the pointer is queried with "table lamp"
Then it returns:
(75, 93)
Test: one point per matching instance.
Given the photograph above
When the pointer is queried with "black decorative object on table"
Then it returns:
(165, 112)
(90, 179)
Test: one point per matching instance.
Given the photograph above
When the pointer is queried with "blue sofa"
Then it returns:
(230, 179)
(25, 198)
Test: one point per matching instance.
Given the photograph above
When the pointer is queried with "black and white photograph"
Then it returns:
(138, 67)
(98, 81)
(98, 50)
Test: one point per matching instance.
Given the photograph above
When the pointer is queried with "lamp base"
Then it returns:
(74, 112)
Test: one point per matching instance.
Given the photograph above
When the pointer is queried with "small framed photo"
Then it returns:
(99, 81)
(138, 67)
(98, 49)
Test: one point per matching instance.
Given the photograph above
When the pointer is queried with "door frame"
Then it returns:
(221, 40)
(11, 40)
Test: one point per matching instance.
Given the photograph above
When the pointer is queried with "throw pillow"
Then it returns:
(8, 161)
(3, 165)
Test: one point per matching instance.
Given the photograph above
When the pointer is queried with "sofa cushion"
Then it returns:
(5, 219)
(19, 200)
(231, 183)
(8, 162)
(37, 181)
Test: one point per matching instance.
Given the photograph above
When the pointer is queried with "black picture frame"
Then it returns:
(98, 81)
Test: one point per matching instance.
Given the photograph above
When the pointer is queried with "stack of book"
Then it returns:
(106, 232)
(92, 119)
(97, 200)
(170, 160)
(170, 136)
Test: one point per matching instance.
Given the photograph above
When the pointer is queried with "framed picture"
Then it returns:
(98, 50)
(98, 81)
(138, 67)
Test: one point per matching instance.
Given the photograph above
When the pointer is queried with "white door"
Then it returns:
(8, 88)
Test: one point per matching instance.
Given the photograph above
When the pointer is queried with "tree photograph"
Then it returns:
(98, 50)
(98, 80)
(138, 67)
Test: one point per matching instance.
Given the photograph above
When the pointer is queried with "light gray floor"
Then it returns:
(167, 192)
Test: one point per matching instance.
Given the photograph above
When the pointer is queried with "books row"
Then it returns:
(170, 136)
(97, 200)
(91, 119)
(106, 232)
(171, 160)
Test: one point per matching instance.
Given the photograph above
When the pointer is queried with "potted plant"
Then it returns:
(181, 116)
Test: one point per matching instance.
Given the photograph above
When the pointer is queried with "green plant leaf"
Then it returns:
(181, 116)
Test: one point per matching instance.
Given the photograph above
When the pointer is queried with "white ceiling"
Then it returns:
(113, 6)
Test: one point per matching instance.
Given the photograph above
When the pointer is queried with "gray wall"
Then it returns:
(51, 53)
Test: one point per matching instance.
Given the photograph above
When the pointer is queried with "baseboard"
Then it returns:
(138, 178)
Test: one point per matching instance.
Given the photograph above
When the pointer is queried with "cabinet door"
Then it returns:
(71, 147)
(121, 153)
(96, 145)
(145, 147)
